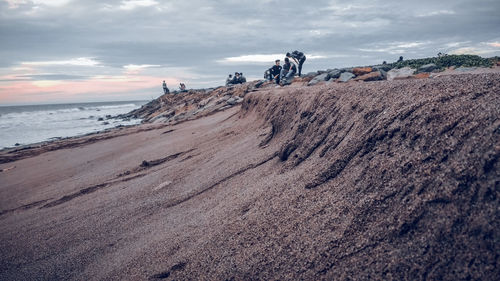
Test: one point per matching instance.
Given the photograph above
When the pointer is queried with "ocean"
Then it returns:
(27, 124)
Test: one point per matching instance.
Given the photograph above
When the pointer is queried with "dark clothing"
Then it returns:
(275, 72)
(297, 55)
(243, 79)
(287, 67)
(165, 89)
(288, 73)
(300, 57)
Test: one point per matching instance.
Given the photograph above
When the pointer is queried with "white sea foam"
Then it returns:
(31, 124)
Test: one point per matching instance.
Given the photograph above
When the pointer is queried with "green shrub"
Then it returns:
(447, 61)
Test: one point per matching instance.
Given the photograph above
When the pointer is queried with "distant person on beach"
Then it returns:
(298, 57)
(182, 87)
(275, 71)
(229, 80)
(236, 78)
(165, 89)
(287, 72)
(242, 78)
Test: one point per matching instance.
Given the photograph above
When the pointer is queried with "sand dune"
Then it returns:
(380, 180)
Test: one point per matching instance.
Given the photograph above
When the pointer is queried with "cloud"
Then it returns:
(135, 69)
(134, 4)
(200, 41)
(76, 61)
(436, 13)
(395, 47)
(261, 59)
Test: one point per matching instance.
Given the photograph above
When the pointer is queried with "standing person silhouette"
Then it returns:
(298, 57)
(165, 89)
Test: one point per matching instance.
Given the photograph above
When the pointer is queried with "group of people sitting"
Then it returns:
(182, 88)
(238, 78)
(284, 75)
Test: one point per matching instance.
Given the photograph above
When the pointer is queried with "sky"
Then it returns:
(60, 51)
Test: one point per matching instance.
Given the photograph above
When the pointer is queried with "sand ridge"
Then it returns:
(380, 180)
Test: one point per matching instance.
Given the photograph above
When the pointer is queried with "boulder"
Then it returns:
(402, 73)
(234, 100)
(334, 73)
(311, 74)
(372, 76)
(346, 76)
(427, 68)
(361, 70)
(422, 75)
(317, 79)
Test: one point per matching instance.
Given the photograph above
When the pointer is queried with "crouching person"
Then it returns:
(287, 73)
(275, 72)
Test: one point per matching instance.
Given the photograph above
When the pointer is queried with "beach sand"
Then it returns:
(385, 180)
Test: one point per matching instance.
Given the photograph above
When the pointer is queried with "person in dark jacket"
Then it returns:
(298, 57)
(275, 72)
(287, 72)
(242, 78)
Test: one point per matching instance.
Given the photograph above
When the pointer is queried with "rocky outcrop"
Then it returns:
(428, 68)
(320, 78)
(358, 71)
(372, 76)
(402, 73)
(346, 76)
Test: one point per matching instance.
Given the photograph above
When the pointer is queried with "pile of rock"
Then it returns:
(370, 73)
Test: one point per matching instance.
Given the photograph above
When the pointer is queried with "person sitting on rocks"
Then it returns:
(242, 78)
(229, 80)
(236, 78)
(165, 89)
(275, 72)
(298, 57)
(287, 72)
(182, 87)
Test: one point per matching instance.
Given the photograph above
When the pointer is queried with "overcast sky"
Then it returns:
(74, 51)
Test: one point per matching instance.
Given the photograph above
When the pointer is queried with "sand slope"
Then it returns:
(380, 180)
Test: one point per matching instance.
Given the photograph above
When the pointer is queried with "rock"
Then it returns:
(427, 68)
(402, 73)
(361, 70)
(317, 79)
(498, 63)
(100, 119)
(383, 67)
(372, 76)
(258, 84)
(311, 74)
(105, 123)
(320, 72)
(422, 75)
(234, 100)
(334, 73)
(346, 76)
